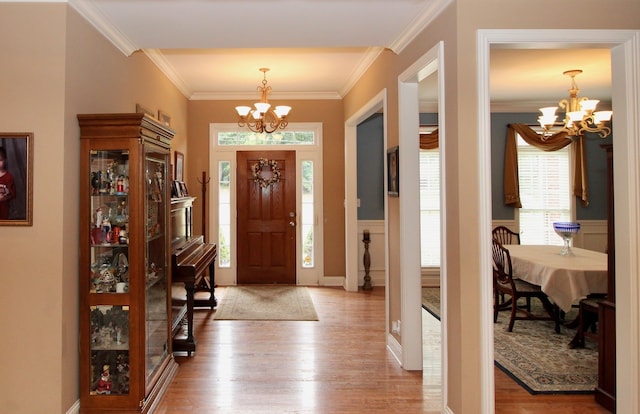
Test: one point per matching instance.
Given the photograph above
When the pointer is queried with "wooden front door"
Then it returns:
(267, 217)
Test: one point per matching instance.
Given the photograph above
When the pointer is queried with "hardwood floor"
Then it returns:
(338, 364)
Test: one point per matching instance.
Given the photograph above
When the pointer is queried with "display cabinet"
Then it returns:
(126, 360)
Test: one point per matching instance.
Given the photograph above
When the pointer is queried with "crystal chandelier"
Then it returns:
(579, 113)
(263, 118)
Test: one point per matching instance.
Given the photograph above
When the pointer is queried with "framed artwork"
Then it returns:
(179, 189)
(164, 118)
(183, 189)
(175, 189)
(142, 110)
(16, 179)
(179, 163)
(393, 172)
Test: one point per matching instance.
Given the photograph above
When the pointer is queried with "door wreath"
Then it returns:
(257, 172)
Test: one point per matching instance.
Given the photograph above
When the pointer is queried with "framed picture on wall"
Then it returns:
(16, 179)
(164, 118)
(179, 163)
(393, 172)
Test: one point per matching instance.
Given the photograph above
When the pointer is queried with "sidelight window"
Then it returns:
(224, 213)
(308, 215)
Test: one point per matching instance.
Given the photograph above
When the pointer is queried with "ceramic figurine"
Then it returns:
(104, 383)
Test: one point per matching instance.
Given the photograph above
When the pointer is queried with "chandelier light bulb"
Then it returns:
(282, 110)
(262, 107)
(589, 105)
(602, 116)
(243, 110)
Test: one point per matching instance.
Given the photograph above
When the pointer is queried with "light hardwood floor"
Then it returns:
(338, 364)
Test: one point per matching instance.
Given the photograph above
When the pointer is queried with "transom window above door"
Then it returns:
(233, 138)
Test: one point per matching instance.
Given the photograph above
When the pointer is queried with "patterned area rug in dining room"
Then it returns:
(266, 302)
(534, 355)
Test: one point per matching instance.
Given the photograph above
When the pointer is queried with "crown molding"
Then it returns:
(532, 106)
(367, 60)
(108, 30)
(253, 96)
(165, 67)
(422, 20)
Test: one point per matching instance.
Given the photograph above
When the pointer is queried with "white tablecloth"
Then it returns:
(565, 279)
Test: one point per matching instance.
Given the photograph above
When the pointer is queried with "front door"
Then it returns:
(267, 218)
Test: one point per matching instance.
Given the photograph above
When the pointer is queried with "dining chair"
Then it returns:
(587, 320)
(505, 235)
(504, 282)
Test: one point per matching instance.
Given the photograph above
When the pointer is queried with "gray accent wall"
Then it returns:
(370, 141)
(596, 169)
(371, 167)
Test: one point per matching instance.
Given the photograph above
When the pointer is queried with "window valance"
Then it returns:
(429, 141)
(552, 143)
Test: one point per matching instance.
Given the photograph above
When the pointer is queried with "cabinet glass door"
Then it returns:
(109, 271)
(156, 263)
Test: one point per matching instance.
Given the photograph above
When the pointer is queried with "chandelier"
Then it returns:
(263, 118)
(580, 115)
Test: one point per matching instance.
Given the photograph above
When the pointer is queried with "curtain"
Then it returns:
(552, 143)
(429, 141)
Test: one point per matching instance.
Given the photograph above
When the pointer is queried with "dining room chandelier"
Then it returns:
(580, 114)
(263, 118)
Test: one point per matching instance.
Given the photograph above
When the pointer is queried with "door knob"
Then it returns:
(292, 223)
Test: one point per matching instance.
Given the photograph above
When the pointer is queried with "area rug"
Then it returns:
(272, 302)
(534, 355)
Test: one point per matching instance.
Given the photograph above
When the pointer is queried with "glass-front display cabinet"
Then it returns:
(126, 359)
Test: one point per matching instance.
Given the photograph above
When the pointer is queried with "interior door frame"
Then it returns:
(227, 276)
(625, 69)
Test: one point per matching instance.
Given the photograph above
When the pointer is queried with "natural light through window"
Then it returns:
(231, 138)
(308, 215)
(545, 192)
(224, 214)
(429, 208)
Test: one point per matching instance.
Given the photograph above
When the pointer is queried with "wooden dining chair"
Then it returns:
(505, 235)
(587, 320)
(505, 283)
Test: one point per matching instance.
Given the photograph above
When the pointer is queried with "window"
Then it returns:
(545, 192)
(429, 208)
(231, 138)
(308, 215)
(224, 213)
(306, 140)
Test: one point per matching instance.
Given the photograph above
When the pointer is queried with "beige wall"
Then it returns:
(32, 50)
(54, 66)
(457, 28)
(330, 113)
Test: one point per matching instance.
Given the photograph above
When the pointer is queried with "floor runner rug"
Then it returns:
(266, 302)
(534, 355)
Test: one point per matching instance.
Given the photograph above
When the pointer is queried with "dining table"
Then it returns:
(564, 279)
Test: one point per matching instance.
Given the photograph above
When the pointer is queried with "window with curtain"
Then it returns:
(429, 208)
(545, 192)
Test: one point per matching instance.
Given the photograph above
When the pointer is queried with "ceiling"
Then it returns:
(316, 49)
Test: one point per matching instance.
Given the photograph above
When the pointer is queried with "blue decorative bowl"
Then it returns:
(566, 230)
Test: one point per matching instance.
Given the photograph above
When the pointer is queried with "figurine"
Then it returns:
(122, 238)
(104, 383)
(98, 216)
(106, 229)
(95, 182)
